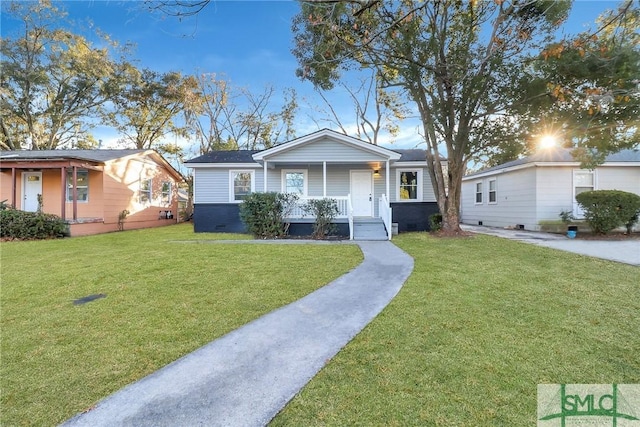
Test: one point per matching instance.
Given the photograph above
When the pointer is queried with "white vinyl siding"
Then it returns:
(211, 185)
(327, 150)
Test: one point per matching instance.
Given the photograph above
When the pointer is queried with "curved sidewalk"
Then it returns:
(247, 376)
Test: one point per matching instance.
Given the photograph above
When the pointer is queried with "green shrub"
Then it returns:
(264, 213)
(605, 210)
(325, 211)
(435, 222)
(15, 224)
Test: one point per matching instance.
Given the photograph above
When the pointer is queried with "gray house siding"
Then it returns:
(515, 200)
(327, 150)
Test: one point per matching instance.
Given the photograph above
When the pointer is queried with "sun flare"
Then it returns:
(548, 141)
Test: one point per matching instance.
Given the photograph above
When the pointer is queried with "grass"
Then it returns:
(480, 322)
(165, 298)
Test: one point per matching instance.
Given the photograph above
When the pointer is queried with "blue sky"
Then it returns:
(249, 42)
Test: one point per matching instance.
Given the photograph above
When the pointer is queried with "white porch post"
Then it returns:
(264, 184)
(387, 179)
(324, 179)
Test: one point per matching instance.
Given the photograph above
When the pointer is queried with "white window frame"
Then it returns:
(476, 192)
(419, 191)
(149, 191)
(577, 211)
(70, 184)
(305, 174)
(232, 173)
(495, 192)
(168, 193)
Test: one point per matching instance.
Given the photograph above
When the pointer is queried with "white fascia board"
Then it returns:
(224, 165)
(416, 164)
(392, 155)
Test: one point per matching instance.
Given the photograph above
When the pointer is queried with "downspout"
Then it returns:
(264, 184)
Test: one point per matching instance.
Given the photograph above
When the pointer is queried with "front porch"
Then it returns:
(356, 227)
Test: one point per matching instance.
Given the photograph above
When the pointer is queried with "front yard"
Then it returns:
(164, 298)
(480, 322)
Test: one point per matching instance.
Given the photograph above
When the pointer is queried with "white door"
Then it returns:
(362, 193)
(31, 188)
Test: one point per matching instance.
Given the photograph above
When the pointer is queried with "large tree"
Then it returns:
(227, 117)
(149, 106)
(51, 81)
(459, 62)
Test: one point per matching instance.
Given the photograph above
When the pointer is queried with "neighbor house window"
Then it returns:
(478, 193)
(493, 193)
(583, 180)
(166, 193)
(144, 194)
(409, 185)
(294, 181)
(241, 184)
(82, 185)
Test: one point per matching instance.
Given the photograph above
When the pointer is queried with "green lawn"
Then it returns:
(477, 326)
(165, 298)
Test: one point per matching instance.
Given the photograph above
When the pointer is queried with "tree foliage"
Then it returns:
(148, 104)
(594, 84)
(52, 80)
(459, 62)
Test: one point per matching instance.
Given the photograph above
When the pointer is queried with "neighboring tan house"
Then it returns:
(527, 192)
(90, 189)
(371, 184)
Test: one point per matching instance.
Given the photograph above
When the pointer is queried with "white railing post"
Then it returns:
(350, 216)
(384, 208)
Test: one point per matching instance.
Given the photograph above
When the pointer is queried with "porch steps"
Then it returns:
(369, 229)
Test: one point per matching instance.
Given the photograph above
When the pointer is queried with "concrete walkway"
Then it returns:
(624, 251)
(247, 376)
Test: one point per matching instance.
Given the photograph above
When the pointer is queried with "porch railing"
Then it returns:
(384, 208)
(298, 211)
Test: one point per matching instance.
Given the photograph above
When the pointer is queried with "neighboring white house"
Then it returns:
(367, 181)
(524, 192)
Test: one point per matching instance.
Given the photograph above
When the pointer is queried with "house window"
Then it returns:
(241, 184)
(583, 180)
(478, 193)
(144, 194)
(294, 181)
(493, 193)
(82, 185)
(409, 185)
(166, 193)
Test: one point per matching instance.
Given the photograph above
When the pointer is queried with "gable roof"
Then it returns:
(94, 156)
(329, 134)
(87, 155)
(558, 156)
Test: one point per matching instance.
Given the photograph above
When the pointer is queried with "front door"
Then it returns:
(362, 193)
(31, 188)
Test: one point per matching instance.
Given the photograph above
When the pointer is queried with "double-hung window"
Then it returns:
(294, 182)
(478, 193)
(493, 192)
(144, 194)
(241, 184)
(583, 180)
(166, 193)
(82, 185)
(409, 185)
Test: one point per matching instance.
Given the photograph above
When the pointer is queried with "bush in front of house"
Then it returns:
(15, 224)
(325, 211)
(605, 210)
(435, 222)
(264, 213)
